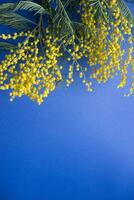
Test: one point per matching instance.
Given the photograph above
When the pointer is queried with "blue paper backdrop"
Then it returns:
(75, 146)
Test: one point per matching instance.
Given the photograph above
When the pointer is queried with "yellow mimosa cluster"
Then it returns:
(27, 71)
(107, 47)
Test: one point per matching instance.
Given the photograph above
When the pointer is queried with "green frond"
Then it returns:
(80, 29)
(31, 6)
(7, 7)
(126, 11)
(14, 20)
(62, 19)
(71, 4)
(7, 46)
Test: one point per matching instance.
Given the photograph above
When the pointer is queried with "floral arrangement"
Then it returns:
(101, 35)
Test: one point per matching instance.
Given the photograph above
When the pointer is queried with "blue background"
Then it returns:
(75, 146)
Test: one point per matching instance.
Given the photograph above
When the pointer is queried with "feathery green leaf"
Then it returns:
(14, 20)
(31, 6)
(7, 7)
(7, 46)
(126, 11)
